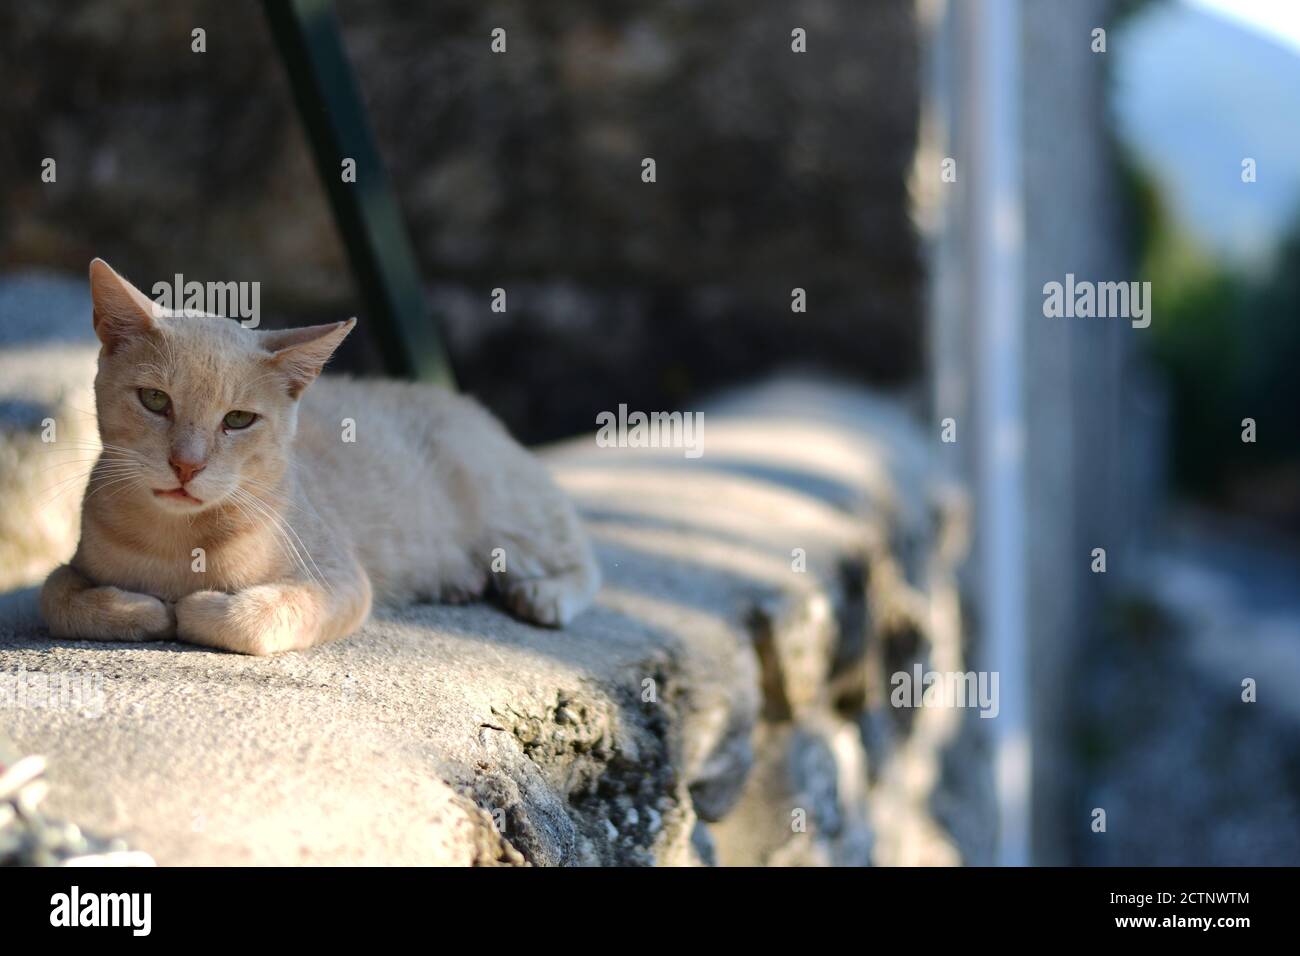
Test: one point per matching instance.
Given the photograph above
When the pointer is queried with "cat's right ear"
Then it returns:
(301, 353)
(121, 311)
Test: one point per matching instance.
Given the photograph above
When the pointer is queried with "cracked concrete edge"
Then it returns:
(788, 673)
(651, 808)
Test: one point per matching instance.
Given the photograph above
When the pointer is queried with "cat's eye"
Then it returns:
(237, 419)
(155, 399)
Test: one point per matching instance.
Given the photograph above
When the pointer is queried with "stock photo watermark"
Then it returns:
(232, 300)
(684, 430)
(70, 691)
(1083, 299)
(921, 688)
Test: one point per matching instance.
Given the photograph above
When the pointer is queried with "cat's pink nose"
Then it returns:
(185, 470)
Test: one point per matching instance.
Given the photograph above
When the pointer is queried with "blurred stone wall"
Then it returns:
(518, 170)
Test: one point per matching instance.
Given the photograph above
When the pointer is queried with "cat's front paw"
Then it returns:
(552, 601)
(209, 618)
(262, 620)
(111, 614)
(74, 607)
(146, 617)
(129, 616)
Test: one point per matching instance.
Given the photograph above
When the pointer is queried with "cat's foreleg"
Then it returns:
(74, 606)
(548, 573)
(289, 615)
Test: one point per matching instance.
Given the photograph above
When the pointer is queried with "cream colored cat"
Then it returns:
(228, 507)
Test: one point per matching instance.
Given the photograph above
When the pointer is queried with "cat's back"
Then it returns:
(365, 422)
(381, 450)
(378, 404)
(403, 468)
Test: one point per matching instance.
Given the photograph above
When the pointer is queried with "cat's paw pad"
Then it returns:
(552, 601)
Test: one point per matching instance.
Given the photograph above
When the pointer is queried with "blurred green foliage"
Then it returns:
(1228, 342)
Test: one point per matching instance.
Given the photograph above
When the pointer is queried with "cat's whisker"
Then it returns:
(66, 446)
(86, 464)
(122, 450)
(52, 493)
(109, 484)
(135, 484)
(99, 475)
(285, 530)
(103, 461)
(246, 508)
(271, 496)
(105, 472)
(89, 463)
(47, 499)
(70, 445)
(277, 527)
(78, 410)
(280, 498)
(289, 528)
(306, 509)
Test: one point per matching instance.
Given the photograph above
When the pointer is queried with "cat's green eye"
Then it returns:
(155, 399)
(239, 419)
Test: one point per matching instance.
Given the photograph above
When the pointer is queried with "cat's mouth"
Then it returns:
(177, 494)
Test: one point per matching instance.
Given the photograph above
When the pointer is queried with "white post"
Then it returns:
(991, 52)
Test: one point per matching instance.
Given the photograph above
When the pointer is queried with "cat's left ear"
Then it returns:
(302, 353)
(120, 310)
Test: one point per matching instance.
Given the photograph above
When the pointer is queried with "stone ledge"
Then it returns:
(456, 735)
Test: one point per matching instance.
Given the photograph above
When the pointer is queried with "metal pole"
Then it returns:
(307, 36)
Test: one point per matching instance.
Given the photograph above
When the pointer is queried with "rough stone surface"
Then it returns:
(727, 684)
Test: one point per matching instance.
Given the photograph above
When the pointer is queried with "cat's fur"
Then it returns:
(300, 530)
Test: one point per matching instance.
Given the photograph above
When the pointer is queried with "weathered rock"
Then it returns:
(755, 599)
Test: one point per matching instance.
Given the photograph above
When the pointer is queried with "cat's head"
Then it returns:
(196, 408)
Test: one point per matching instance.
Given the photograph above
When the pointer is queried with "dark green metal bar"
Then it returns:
(311, 46)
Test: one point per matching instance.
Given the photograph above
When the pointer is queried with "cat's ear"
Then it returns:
(121, 311)
(302, 353)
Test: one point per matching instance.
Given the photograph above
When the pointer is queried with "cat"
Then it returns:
(239, 503)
